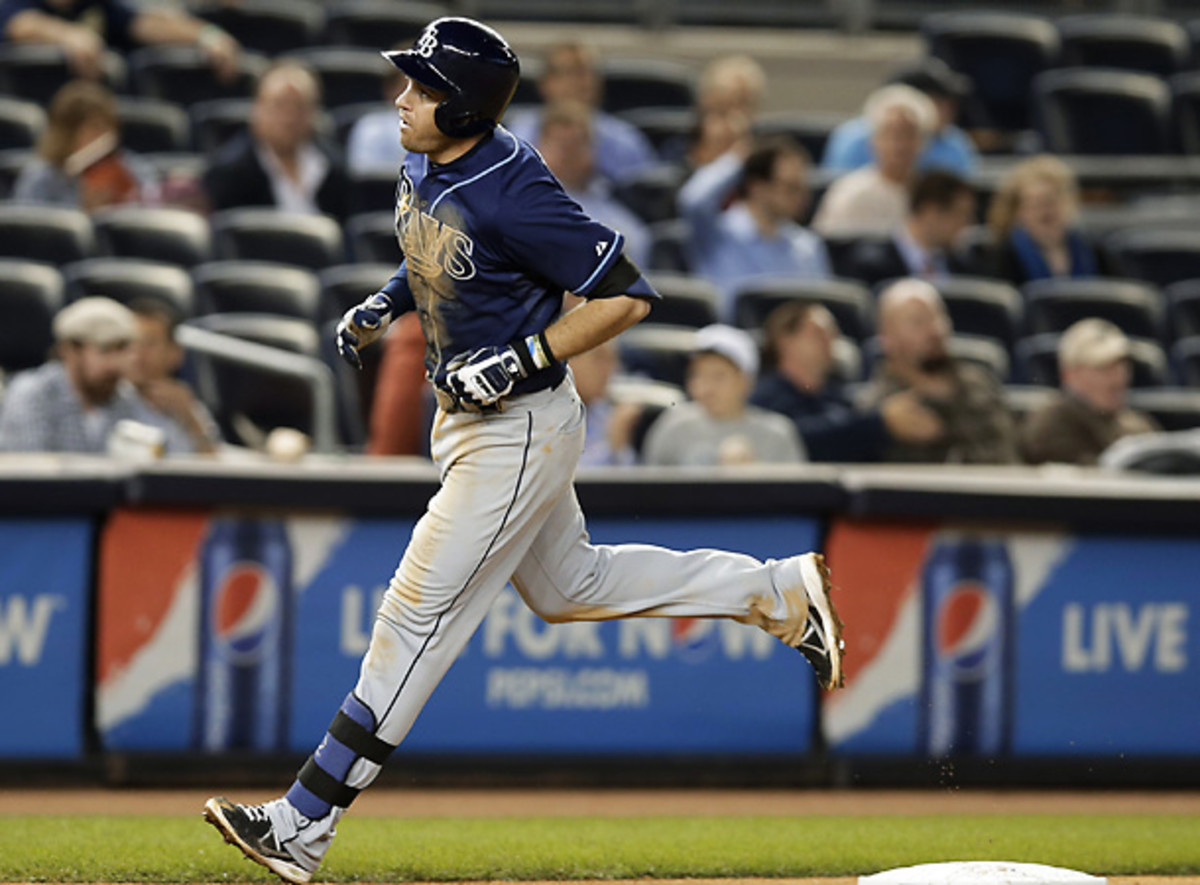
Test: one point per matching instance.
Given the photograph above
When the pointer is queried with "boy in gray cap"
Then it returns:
(72, 404)
(718, 425)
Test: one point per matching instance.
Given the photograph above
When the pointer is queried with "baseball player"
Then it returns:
(491, 242)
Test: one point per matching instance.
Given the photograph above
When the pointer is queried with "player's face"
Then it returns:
(419, 133)
(96, 371)
(717, 386)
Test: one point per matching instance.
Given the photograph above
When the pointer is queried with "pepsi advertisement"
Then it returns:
(244, 631)
(45, 576)
(985, 642)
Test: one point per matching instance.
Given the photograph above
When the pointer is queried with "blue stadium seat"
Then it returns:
(258, 287)
(21, 123)
(1129, 42)
(128, 279)
(1100, 111)
(849, 301)
(255, 234)
(175, 236)
(686, 300)
(31, 293)
(1136, 307)
(51, 234)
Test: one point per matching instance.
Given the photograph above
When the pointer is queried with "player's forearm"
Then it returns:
(31, 26)
(594, 322)
(166, 26)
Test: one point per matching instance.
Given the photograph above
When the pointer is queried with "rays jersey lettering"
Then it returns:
(491, 241)
(432, 247)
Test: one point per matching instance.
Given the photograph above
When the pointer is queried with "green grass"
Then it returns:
(132, 849)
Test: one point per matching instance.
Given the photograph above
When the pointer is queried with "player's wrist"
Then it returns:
(534, 353)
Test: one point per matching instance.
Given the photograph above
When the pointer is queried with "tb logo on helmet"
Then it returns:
(428, 43)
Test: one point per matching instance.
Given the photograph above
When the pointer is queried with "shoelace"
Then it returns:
(256, 813)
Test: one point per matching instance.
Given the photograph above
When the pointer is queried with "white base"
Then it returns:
(981, 872)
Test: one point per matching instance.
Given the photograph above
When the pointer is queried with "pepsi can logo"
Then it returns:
(968, 620)
(244, 610)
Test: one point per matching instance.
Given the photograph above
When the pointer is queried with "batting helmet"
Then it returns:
(471, 64)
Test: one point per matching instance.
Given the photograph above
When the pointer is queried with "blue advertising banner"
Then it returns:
(649, 685)
(1108, 651)
(44, 590)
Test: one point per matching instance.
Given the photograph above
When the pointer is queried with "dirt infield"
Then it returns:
(627, 803)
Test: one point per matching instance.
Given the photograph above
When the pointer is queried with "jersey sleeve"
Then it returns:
(548, 234)
(398, 290)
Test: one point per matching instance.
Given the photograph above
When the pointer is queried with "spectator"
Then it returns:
(73, 404)
(279, 162)
(799, 383)
(1089, 413)
(399, 419)
(1030, 218)
(727, 104)
(758, 235)
(719, 426)
(948, 148)
(572, 72)
(873, 200)
(914, 333)
(157, 359)
(373, 145)
(941, 205)
(565, 143)
(84, 29)
(610, 425)
(80, 162)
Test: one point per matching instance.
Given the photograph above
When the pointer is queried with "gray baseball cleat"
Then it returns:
(822, 641)
(248, 828)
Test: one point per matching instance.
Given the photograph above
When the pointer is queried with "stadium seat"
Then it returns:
(372, 238)
(809, 129)
(650, 194)
(248, 402)
(377, 24)
(1185, 354)
(669, 129)
(344, 286)
(647, 83)
(1174, 408)
(152, 126)
(1157, 256)
(254, 234)
(686, 301)
(660, 353)
(1129, 42)
(51, 234)
(372, 192)
(183, 75)
(175, 236)
(216, 122)
(349, 75)
(35, 71)
(1001, 53)
(270, 27)
(1183, 308)
(257, 287)
(669, 246)
(1098, 111)
(31, 294)
(127, 280)
(21, 122)
(1037, 361)
(1185, 94)
(983, 307)
(1053, 305)
(11, 164)
(849, 301)
(842, 251)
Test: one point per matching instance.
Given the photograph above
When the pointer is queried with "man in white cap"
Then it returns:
(72, 404)
(1089, 413)
(718, 425)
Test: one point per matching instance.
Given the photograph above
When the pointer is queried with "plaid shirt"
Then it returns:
(41, 412)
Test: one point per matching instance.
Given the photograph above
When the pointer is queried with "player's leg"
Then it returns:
(564, 577)
(501, 477)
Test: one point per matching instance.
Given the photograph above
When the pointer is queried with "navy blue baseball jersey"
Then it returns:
(491, 241)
